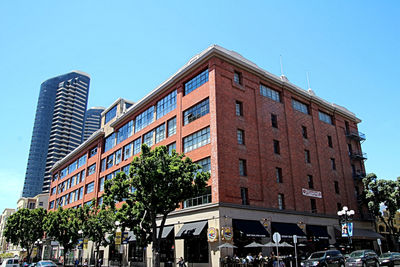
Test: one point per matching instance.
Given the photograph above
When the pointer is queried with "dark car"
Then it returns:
(389, 259)
(328, 258)
(363, 258)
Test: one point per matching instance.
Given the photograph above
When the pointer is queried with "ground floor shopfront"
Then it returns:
(197, 233)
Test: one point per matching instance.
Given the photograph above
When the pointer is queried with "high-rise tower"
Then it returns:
(58, 127)
(92, 121)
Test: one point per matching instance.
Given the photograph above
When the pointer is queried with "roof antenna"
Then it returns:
(310, 91)
(283, 77)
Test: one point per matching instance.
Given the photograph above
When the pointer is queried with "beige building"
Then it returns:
(4, 245)
(38, 201)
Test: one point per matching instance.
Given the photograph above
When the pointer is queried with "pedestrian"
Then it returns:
(76, 262)
(181, 262)
(100, 261)
(85, 264)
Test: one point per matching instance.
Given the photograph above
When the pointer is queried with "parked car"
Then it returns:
(46, 263)
(328, 258)
(363, 258)
(10, 262)
(390, 259)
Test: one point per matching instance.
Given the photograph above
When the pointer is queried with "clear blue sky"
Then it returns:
(350, 49)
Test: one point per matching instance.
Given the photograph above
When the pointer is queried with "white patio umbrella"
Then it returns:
(227, 245)
(285, 244)
(270, 244)
(254, 245)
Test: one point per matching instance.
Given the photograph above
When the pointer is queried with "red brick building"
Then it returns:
(281, 158)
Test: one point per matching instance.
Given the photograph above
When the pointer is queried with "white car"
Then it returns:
(10, 262)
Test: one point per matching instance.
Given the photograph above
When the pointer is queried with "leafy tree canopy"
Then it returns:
(25, 227)
(157, 184)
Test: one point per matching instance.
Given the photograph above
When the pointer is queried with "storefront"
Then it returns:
(194, 235)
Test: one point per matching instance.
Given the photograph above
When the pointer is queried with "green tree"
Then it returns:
(25, 227)
(63, 225)
(379, 192)
(156, 185)
(98, 226)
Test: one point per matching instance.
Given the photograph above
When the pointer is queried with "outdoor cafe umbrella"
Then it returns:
(285, 244)
(254, 245)
(227, 245)
(270, 244)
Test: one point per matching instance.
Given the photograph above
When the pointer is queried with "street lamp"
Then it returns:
(345, 222)
(38, 244)
(117, 223)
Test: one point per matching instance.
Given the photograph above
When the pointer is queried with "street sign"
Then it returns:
(295, 239)
(379, 242)
(118, 238)
(276, 237)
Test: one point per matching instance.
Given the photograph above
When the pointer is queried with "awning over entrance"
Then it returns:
(359, 233)
(250, 228)
(317, 231)
(191, 229)
(287, 230)
(166, 231)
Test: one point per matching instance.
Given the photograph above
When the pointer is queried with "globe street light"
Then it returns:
(80, 256)
(345, 218)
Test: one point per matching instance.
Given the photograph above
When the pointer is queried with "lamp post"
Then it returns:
(118, 240)
(80, 252)
(345, 216)
(38, 244)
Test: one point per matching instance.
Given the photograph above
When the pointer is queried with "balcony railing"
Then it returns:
(359, 136)
(358, 175)
(358, 155)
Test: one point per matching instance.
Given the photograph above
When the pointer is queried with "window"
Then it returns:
(82, 160)
(53, 191)
(73, 166)
(93, 152)
(205, 164)
(171, 147)
(118, 156)
(350, 148)
(91, 169)
(199, 200)
(103, 164)
(167, 104)
(111, 114)
(310, 181)
(195, 112)
(277, 149)
(242, 167)
(101, 184)
(333, 163)
(270, 93)
(313, 203)
(128, 151)
(274, 120)
(300, 106)
(307, 156)
(244, 194)
(160, 133)
(324, 117)
(196, 82)
(240, 136)
(237, 77)
(281, 201)
(144, 119)
(51, 205)
(330, 144)
(125, 169)
(171, 126)
(89, 188)
(136, 146)
(110, 161)
(196, 140)
(124, 132)
(100, 201)
(109, 142)
(82, 176)
(148, 138)
(278, 173)
(336, 183)
(304, 132)
(239, 108)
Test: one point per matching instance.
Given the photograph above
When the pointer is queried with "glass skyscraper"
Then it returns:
(92, 121)
(58, 127)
